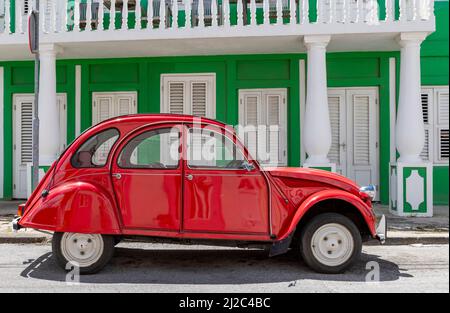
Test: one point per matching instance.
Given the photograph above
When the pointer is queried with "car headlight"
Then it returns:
(370, 191)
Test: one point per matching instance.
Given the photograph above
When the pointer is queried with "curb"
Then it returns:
(390, 241)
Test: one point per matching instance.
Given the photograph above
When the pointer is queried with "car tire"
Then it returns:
(330, 243)
(89, 252)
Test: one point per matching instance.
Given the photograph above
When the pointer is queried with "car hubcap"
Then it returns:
(332, 244)
(82, 249)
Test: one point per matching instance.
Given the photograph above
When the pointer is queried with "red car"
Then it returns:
(138, 175)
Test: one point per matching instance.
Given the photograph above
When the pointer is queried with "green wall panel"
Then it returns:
(440, 185)
(263, 70)
(359, 68)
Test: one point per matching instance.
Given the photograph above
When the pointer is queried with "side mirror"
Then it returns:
(248, 166)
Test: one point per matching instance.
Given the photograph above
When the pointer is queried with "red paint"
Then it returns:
(258, 205)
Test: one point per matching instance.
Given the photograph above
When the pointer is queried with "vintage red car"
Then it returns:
(136, 176)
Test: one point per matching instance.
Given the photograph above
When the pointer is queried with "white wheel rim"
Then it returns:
(332, 244)
(82, 249)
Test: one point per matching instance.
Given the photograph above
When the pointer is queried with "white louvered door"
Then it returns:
(354, 126)
(23, 138)
(263, 115)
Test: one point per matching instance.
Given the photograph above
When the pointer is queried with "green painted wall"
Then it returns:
(435, 71)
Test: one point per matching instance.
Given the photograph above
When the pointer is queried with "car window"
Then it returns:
(211, 149)
(152, 149)
(94, 152)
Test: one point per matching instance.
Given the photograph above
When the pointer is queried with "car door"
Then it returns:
(147, 178)
(220, 194)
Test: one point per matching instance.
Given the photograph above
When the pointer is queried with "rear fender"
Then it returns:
(328, 194)
(79, 207)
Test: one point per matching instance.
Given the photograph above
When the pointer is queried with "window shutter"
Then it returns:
(124, 105)
(442, 128)
(334, 104)
(62, 122)
(427, 112)
(26, 132)
(176, 97)
(273, 135)
(361, 145)
(199, 98)
(251, 104)
(104, 109)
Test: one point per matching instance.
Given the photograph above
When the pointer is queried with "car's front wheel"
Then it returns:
(330, 243)
(89, 252)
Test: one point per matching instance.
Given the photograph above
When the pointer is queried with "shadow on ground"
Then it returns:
(216, 267)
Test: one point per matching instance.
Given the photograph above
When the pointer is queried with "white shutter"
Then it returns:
(427, 113)
(62, 105)
(125, 105)
(442, 124)
(188, 94)
(361, 144)
(176, 97)
(266, 108)
(103, 109)
(199, 98)
(334, 104)
(250, 103)
(26, 131)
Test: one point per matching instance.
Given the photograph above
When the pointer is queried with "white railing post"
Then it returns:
(253, 12)
(18, 16)
(56, 16)
(360, 11)
(292, 12)
(7, 17)
(304, 13)
(426, 9)
(65, 12)
(76, 16)
(266, 12)
(149, 14)
(279, 9)
(138, 15)
(162, 14)
(333, 14)
(201, 14)
(188, 9)
(214, 22)
(88, 26)
(175, 14)
(403, 11)
(390, 11)
(240, 13)
(100, 18)
(226, 13)
(125, 14)
(43, 16)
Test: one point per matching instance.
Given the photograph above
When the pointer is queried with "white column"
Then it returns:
(410, 133)
(316, 126)
(49, 130)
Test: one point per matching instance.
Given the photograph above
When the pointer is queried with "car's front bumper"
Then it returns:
(381, 230)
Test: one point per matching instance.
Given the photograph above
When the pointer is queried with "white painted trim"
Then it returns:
(392, 108)
(302, 101)
(77, 100)
(2, 91)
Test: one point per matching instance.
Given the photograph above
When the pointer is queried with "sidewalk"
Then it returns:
(401, 230)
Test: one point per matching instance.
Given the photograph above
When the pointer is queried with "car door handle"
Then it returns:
(189, 177)
(117, 176)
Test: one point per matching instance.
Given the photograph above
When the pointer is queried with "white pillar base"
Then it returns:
(411, 189)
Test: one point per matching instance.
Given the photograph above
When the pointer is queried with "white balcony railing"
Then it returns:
(122, 15)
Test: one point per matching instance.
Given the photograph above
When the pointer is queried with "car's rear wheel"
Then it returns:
(89, 252)
(330, 243)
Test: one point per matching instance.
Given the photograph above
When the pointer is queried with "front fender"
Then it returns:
(328, 194)
(79, 207)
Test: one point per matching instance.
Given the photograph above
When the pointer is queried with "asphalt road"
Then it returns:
(139, 267)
